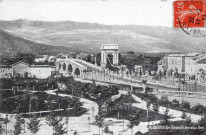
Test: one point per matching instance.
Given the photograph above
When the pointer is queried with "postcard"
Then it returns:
(102, 67)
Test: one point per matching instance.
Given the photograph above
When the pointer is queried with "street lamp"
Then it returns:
(67, 122)
(6, 121)
(195, 86)
(89, 122)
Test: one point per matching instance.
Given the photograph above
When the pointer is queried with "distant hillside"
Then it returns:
(18, 44)
(88, 37)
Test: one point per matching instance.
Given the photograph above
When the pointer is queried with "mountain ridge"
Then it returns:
(20, 45)
(88, 37)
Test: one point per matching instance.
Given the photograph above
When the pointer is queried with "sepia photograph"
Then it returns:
(102, 67)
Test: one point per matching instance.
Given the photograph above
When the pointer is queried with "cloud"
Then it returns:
(1, 0)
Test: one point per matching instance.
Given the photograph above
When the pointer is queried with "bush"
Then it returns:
(175, 103)
(186, 105)
(164, 99)
(198, 109)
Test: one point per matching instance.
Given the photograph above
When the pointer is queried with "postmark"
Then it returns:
(190, 16)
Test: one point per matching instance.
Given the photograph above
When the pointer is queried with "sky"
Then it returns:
(109, 12)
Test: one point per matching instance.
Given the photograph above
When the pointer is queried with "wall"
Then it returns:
(6, 72)
(40, 72)
(190, 66)
(176, 63)
(21, 69)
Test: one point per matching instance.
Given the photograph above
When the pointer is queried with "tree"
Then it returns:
(34, 124)
(1, 129)
(106, 129)
(75, 101)
(99, 118)
(133, 120)
(67, 122)
(160, 73)
(188, 121)
(6, 121)
(202, 123)
(148, 107)
(156, 110)
(17, 126)
(183, 116)
(56, 124)
(186, 105)
(166, 118)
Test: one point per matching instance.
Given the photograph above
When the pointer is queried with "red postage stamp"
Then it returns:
(189, 13)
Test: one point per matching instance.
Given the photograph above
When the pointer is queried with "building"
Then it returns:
(200, 68)
(182, 63)
(40, 59)
(176, 62)
(82, 56)
(22, 69)
(6, 71)
(191, 63)
(138, 70)
(163, 64)
(40, 71)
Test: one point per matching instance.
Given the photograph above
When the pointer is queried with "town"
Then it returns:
(103, 93)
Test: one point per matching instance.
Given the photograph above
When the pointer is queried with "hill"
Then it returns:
(87, 37)
(20, 45)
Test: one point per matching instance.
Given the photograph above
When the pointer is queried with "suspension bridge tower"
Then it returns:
(107, 49)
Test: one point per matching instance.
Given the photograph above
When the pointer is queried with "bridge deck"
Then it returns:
(87, 64)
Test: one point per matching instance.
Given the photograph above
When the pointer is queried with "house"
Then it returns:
(6, 71)
(138, 70)
(191, 63)
(176, 62)
(20, 69)
(163, 64)
(40, 59)
(40, 71)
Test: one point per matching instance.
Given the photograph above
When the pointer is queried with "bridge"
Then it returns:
(79, 68)
(85, 70)
(74, 67)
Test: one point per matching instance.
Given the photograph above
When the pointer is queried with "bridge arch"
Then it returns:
(70, 68)
(110, 58)
(64, 66)
(60, 66)
(109, 49)
(77, 72)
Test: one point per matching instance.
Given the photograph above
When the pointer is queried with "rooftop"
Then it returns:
(39, 66)
(177, 55)
(109, 46)
(5, 66)
(192, 54)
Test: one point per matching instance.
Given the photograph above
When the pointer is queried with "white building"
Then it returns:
(176, 62)
(40, 71)
(22, 69)
(6, 71)
(163, 64)
(191, 63)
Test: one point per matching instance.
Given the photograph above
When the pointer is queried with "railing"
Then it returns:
(179, 93)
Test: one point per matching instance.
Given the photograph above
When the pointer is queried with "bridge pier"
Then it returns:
(131, 88)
